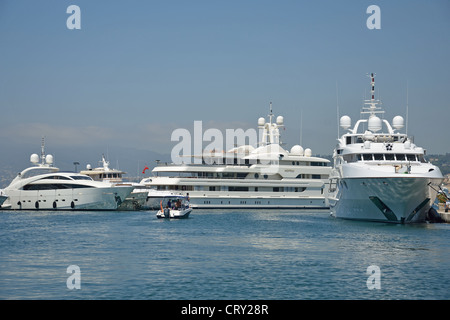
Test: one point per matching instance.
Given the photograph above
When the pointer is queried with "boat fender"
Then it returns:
(36, 205)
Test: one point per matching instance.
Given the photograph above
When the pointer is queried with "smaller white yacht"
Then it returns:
(137, 198)
(44, 187)
(379, 174)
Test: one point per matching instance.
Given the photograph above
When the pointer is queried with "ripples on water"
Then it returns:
(215, 254)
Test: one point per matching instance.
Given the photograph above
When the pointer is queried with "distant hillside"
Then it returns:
(442, 161)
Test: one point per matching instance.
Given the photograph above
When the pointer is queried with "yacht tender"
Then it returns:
(379, 174)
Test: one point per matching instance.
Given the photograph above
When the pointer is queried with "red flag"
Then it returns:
(146, 168)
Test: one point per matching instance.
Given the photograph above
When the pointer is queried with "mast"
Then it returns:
(43, 150)
(373, 109)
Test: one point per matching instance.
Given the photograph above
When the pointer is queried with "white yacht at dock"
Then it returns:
(44, 187)
(263, 176)
(379, 174)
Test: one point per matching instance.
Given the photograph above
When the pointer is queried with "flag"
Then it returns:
(143, 171)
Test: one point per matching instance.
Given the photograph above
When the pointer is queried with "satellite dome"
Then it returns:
(308, 152)
(88, 167)
(375, 124)
(297, 150)
(34, 158)
(398, 122)
(345, 122)
(261, 121)
(49, 159)
(280, 120)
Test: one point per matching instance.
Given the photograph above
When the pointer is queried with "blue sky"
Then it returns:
(137, 70)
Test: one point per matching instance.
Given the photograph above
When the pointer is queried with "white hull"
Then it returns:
(395, 200)
(69, 199)
(257, 202)
(173, 213)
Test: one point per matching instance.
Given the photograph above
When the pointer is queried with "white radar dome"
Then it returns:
(88, 167)
(34, 158)
(375, 124)
(49, 159)
(297, 150)
(261, 121)
(308, 152)
(280, 120)
(398, 122)
(345, 122)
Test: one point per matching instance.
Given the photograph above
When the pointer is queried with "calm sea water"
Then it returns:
(213, 255)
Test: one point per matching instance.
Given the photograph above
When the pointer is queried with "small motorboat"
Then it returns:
(174, 207)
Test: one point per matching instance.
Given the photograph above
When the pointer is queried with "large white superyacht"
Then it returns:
(379, 174)
(44, 187)
(265, 176)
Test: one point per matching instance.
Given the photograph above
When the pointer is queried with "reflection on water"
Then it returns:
(219, 254)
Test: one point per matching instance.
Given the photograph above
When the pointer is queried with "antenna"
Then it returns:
(337, 108)
(43, 150)
(301, 126)
(407, 107)
(270, 114)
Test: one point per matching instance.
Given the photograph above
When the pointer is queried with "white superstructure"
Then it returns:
(44, 187)
(265, 176)
(379, 174)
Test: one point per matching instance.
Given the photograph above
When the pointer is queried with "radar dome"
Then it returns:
(345, 122)
(261, 121)
(308, 152)
(280, 120)
(297, 150)
(49, 159)
(374, 124)
(88, 167)
(398, 122)
(34, 158)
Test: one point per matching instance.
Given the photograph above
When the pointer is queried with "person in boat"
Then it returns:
(178, 204)
(169, 205)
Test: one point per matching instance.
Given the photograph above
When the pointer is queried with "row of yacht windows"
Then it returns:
(383, 157)
(230, 188)
(235, 175)
(249, 162)
(53, 186)
(81, 177)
